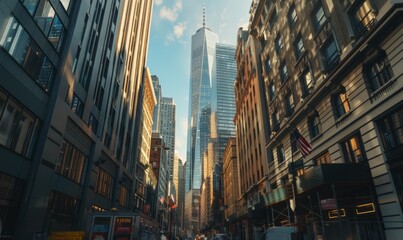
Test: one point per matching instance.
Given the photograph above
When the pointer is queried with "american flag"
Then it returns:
(303, 145)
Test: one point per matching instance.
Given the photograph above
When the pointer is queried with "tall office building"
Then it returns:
(168, 129)
(69, 95)
(181, 193)
(201, 79)
(223, 96)
(157, 109)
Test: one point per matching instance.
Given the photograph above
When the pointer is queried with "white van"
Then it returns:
(279, 233)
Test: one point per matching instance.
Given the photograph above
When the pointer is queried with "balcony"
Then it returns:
(333, 174)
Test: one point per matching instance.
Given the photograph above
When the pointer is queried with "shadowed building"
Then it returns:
(70, 96)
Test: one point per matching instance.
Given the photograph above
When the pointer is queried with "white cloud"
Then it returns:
(179, 29)
(171, 14)
(177, 33)
(158, 2)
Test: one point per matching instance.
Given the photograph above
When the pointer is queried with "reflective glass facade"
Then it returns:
(201, 79)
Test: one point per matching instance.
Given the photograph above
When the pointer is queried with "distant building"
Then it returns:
(159, 165)
(201, 80)
(251, 124)
(145, 178)
(157, 109)
(168, 129)
(231, 187)
(223, 97)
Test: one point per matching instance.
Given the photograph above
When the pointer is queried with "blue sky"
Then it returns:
(173, 24)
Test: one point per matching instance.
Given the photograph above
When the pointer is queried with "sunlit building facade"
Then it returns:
(332, 75)
(251, 127)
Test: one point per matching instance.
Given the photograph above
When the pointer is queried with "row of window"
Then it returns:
(18, 126)
(389, 126)
(352, 149)
(362, 14)
(72, 163)
(27, 54)
(47, 20)
(377, 73)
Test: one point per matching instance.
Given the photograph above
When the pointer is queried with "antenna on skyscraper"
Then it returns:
(204, 14)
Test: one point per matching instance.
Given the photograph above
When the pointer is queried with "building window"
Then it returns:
(27, 53)
(104, 183)
(273, 18)
(283, 72)
(86, 75)
(391, 130)
(72, 162)
(340, 103)
(275, 121)
(77, 105)
(298, 47)
(47, 19)
(267, 65)
(272, 91)
(362, 16)
(289, 103)
(306, 81)
(352, 150)
(292, 16)
(279, 44)
(314, 125)
(18, 127)
(318, 17)
(280, 154)
(30, 5)
(330, 54)
(74, 66)
(323, 159)
(93, 123)
(123, 196)
(378, 71)
(11, 191)
(64, 210)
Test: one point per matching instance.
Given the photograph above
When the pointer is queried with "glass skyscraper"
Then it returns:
(224, 96)
(201, 79)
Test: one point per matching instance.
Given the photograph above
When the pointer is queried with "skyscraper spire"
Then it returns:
(204, 14)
